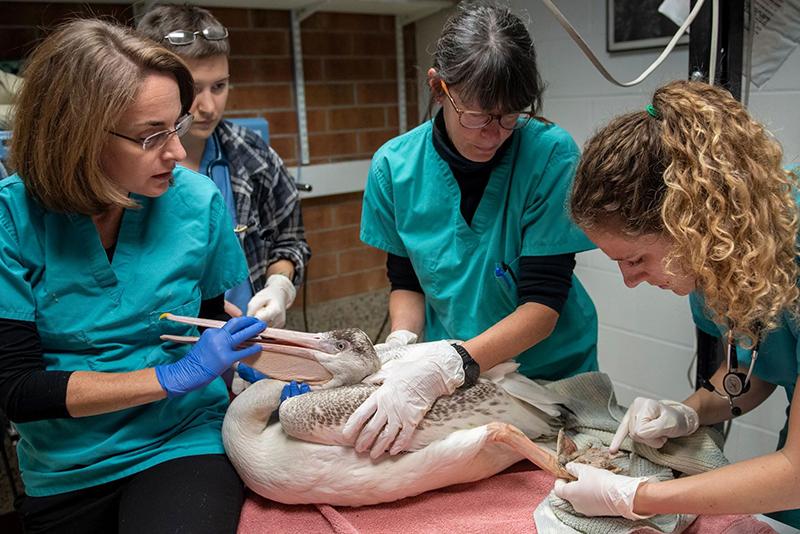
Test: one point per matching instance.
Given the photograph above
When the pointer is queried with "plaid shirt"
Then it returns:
(266, 201)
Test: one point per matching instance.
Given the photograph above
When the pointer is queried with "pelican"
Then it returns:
(304, 459)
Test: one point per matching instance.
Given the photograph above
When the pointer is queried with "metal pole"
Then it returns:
(402, 111)
(730, 55)
(730, 45)
(300, 87)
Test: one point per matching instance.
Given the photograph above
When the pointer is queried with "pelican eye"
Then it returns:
(340, 345)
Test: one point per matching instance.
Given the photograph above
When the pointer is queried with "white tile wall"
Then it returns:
(646, 335)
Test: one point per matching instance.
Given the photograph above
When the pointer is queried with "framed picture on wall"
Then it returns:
(637, 24)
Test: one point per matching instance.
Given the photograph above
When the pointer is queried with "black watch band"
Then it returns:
(472, 370)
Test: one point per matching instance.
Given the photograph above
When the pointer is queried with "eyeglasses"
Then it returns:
(186, 37)
(159, 139)
(475, 120)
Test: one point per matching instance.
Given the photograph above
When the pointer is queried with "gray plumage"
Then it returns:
(319, 416)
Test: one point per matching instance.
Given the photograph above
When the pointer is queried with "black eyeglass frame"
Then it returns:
(526, 116)
(147, 142)
(205, 32)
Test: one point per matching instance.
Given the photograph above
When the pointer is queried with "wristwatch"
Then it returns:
(472, 370)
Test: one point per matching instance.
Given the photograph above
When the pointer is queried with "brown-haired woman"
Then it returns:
(99, 234)
(689, 195)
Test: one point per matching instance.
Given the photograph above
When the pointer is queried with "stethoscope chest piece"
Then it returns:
(735, 384)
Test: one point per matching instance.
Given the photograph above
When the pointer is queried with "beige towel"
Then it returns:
(595, 418)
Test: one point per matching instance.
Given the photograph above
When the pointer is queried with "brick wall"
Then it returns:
(349, 65)
(351, 99)
(341, 265)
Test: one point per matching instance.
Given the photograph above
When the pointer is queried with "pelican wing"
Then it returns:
(528, 391)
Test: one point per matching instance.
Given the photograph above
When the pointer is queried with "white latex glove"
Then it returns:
(388, 418)
(398, 338)
(651, 422)
(270, 303)
(600, 492)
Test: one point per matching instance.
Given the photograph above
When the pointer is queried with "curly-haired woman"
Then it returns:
(689, 195)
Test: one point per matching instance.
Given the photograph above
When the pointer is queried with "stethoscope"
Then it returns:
(735, 383)
(219, 160)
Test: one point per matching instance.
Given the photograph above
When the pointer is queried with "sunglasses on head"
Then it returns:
(185, 37)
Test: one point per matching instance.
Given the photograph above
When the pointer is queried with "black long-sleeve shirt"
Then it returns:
(542, 279)
(28, 392)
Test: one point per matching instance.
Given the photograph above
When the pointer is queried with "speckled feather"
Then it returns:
(319, 416)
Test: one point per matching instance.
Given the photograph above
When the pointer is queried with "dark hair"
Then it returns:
(165, 18)
(487, 52)
(78, 82)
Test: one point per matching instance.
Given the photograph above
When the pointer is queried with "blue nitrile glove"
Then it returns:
(293, 388)
(244, 376)
(213, 353)
(249, 374)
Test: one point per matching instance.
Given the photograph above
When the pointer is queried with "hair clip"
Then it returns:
(652, 111)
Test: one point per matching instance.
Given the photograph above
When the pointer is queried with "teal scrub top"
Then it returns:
(777, 363)
(412, 209)
(171, 253)
(778, 355)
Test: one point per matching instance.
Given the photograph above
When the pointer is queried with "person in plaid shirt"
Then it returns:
(261, 196)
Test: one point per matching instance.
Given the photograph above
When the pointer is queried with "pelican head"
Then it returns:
(324, 359)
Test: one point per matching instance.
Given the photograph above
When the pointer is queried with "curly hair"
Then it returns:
(708, 176)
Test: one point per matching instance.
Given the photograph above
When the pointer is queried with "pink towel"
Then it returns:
(503, 503)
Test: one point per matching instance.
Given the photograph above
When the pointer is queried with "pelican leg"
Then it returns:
(514, 438)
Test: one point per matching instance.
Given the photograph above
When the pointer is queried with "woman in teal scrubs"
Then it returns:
(471, 209)
(689, 195)
(100, 233)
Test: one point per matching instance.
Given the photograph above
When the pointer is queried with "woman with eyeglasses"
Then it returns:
(689, 195)
(470, 207)
(101, 233)
(259, 192)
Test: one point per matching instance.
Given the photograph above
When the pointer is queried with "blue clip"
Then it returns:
(502, 274)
